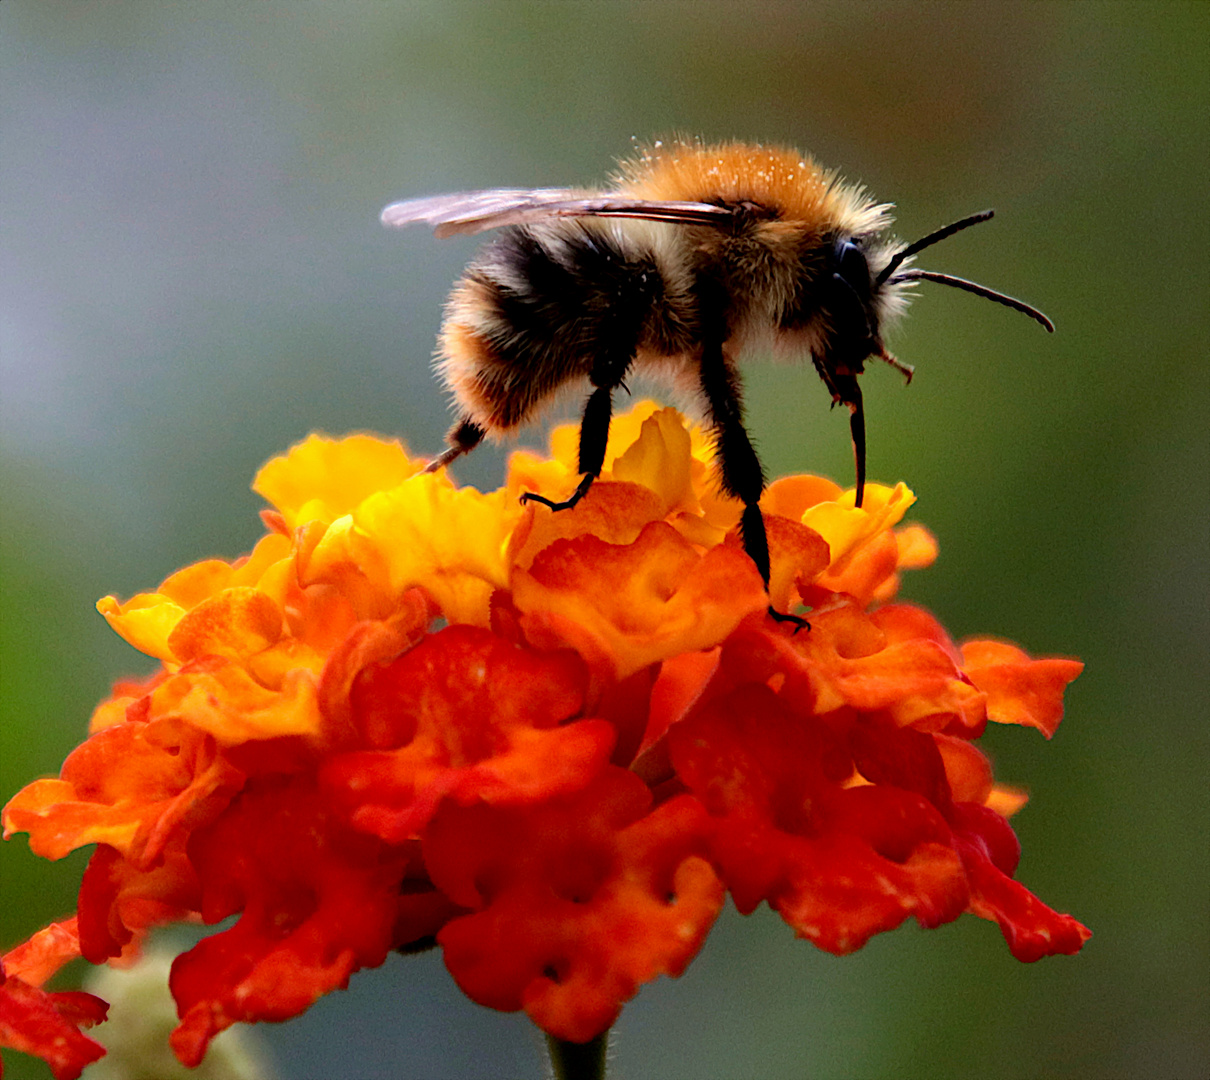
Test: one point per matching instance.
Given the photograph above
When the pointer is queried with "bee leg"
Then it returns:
(852, 398)
(906, 370)
(594, 435)
(464, 436)
(566, 504)
(740, 468)
(608, 371)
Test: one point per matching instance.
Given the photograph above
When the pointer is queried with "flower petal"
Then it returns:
(236, 623)
(580, 900)
(227, 702)
(847, 527)
(624, 606)
(450, 541)
(318, 901)
(120, 903)
(467, 715)
(1019, 690)
(145, 621)
(1031, 929)
(322, 479)
(838, 864)
(48, 1025)
(614, 512)
(661, 460)
(36, 960)
(130, 786)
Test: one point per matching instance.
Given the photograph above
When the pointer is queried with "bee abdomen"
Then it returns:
(539, 309)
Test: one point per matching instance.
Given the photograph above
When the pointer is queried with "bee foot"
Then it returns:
(783, 617)
(567, 503)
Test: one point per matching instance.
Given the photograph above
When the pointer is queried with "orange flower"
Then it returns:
(547, 741)
(131, 786)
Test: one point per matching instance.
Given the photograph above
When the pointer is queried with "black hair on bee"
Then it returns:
(695, 254)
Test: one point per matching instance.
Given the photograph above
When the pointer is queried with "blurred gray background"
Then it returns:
(192, 277)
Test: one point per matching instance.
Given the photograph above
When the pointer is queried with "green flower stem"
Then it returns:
(578, 1061)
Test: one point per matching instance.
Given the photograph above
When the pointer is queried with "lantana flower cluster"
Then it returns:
(549, 743)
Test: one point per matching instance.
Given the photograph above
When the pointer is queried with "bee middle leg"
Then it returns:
(594, 432)
(739, 467)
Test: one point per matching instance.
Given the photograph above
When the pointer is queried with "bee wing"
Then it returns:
(468, 212)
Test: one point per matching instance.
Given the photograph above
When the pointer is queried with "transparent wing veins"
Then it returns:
(469, 212)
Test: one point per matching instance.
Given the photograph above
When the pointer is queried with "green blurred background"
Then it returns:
(192, 277)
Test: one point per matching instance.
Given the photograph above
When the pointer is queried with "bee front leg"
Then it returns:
(850, 395)
(857, 427)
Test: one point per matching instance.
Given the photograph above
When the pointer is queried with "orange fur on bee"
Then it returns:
(810, 198)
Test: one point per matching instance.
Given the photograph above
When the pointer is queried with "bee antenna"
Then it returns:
(978, 290)
(928, 241)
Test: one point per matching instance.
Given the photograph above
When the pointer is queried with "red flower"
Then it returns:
(549, 742)
(465, 716)
(838, 862)
(47, 1025)
(576, 901)
(318, 901)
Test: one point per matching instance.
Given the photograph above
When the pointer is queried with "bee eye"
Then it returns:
(851, 265)
(855, 329)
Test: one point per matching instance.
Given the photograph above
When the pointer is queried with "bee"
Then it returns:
(695, 255)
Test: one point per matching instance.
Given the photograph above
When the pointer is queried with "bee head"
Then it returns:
(857, 298)
(853, 315)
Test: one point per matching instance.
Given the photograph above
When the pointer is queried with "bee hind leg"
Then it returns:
(464, 436)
